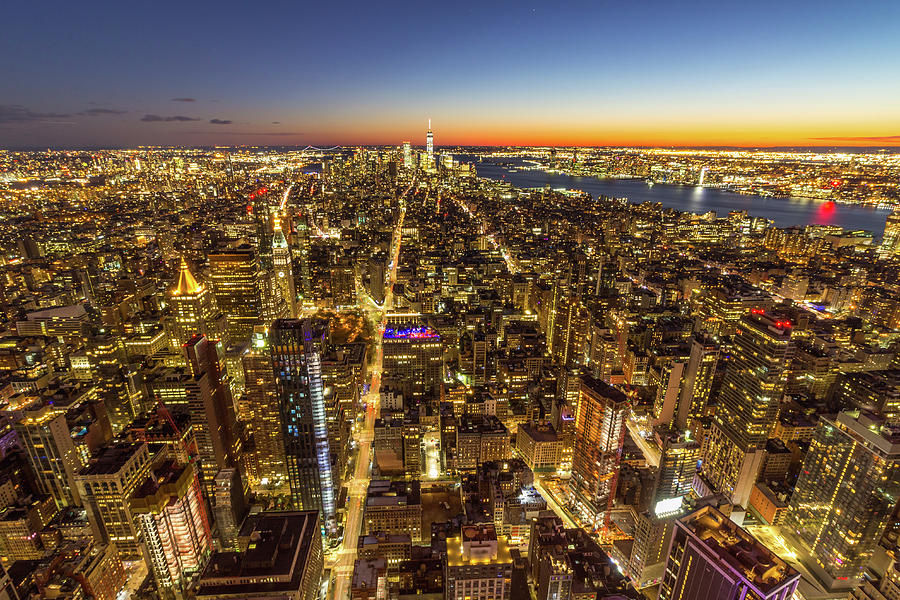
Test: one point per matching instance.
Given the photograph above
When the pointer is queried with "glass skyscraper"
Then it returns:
(297, 346)
(845, 495)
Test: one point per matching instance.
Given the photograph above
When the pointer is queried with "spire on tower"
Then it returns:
(187, 284)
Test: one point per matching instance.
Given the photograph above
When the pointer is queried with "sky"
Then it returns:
(493, 72)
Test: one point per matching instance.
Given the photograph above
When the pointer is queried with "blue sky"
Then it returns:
(759, 73)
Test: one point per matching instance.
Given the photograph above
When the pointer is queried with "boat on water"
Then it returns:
(649, 184)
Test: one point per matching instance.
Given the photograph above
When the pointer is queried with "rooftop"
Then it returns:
(383, 492)
(738, 549)
(278, 546)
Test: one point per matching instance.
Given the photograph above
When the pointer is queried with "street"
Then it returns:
(342, 567)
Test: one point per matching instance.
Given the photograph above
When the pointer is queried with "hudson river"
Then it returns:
(785, 212)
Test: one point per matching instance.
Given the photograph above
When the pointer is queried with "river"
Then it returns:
(784, 212)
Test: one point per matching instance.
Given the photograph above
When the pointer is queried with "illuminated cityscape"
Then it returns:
(481, 302)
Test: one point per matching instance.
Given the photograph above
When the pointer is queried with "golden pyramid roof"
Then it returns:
(187, 284)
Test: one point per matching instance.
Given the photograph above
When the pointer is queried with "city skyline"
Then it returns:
(525, 74)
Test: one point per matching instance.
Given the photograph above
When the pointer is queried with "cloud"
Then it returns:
(220, 122)
(256, 133)
(16, 113)
(860, 138)
(96, 112)
(159, 119)
(184, 99)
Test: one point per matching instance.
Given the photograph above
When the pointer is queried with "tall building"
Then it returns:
(429, 141)
(193, 309)
(407, 155)
(282, 558)
(677, 466)
(47, 441)
(302, 243)
(175, 526)
(414, 354)
(211, 408)
(599, 437)
(711, 557)
(238, 287)
(297, 348)
(106, 486)
(394, 507)
(846, 493)
(479, 565)
(890, 242)
(261, 408)
(229, 505)
(748, 404)
(698, 379)
(283, 269)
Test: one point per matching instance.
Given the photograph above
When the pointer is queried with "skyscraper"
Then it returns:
(171, 512)
(407, 155)
(599, 436)
(193, 309)
(712, 558)
(677, 466)
(846, 493)
(238, 288)
(283, 269)
(262, 411)
(297, 347)
(748, 404)
(106, 486)
(698, 378)
(890, 242)
(429, 141)
(414, 353)
(211, 408)
(47, 442)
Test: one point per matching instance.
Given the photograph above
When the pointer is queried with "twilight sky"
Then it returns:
(642, 72)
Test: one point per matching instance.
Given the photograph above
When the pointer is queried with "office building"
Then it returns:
(47, 441)
(394, 507)
(211, 408)
(539, 446)
(748, 404)
(260, 407)
(711, 557)
(415, 354)
(80, 569)
(229, 505)
(106, 486)
(480, 439)
(280, 556)
(429, 141)
(846, 493)
(479, 565)
(238, 288)
(176, 530)
(677, 467)
(698, 380)
(284, 270)
(193, 310)
(297, 347)
(599, 436)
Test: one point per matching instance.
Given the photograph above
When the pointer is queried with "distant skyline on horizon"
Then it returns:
(655, 74)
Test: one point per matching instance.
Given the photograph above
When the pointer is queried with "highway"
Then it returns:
(342, 567)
